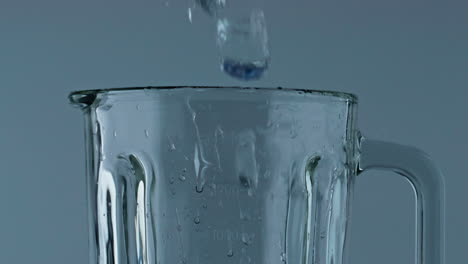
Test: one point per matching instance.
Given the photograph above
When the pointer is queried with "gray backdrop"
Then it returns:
(405, 59)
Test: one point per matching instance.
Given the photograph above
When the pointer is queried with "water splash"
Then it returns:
(243, 45)
(212, 7)
(244, 70)
(241, 37)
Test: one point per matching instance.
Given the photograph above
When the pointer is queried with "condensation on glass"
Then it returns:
(235, 175)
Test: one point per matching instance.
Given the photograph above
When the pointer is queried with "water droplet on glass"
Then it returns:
(283, 257)
(293, 133)
(189, 11)
(115, 133)
(244, 181)
(96, 128)
(323, 234)
(245, 161)
(138, 108)
(196, 162)
(196, 220)
(205, 206)
(182, 178)
(173, 192)
(146, 133)
(245, 216)
(199, 189)
(244, 258)
(230, 253)
(246, 239)
(179, 227)
(219, 131)
(172, 147)
(171, 180)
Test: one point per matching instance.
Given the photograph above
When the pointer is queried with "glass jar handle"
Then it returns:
(428, 184)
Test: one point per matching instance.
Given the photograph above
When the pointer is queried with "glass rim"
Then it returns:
(83, 96)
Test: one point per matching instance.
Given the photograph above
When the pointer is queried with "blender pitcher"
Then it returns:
(215, 175)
